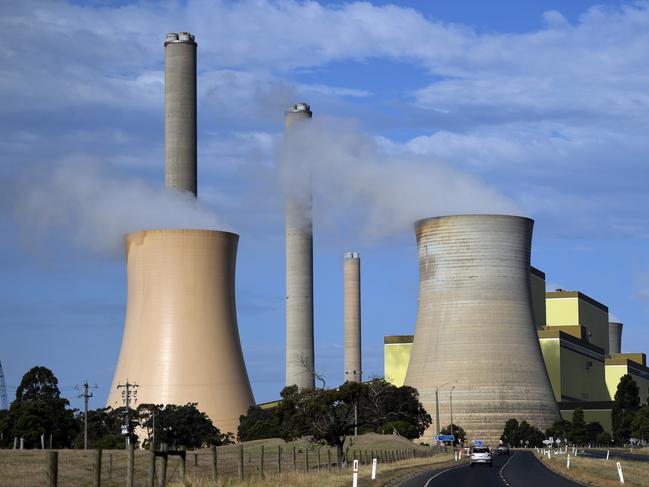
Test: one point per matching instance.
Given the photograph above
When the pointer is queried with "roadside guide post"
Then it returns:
(619, 472)
(355, 474)
(373, 468)
(568, 462)
(607, 453)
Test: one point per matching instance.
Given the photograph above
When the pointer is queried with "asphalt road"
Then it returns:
(520, 469)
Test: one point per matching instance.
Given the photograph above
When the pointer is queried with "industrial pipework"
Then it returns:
(352, 316)
(475, 329)
(300, 360)
(180, 112)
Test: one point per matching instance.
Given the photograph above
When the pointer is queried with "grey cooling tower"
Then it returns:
(180, 112)
(300, 360)
(615, 337)
(475, 328)
(352, 316)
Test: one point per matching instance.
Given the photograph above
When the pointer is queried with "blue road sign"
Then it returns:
(478, 442)
(445, 438)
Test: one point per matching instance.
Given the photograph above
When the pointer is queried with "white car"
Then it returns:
(480, 454)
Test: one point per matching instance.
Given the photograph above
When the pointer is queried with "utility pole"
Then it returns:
(451, 396)
(129, 388)
(86, 395)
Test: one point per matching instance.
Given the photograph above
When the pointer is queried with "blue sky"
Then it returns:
(430, 108)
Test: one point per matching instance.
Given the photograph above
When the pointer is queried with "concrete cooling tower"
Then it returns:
(475, 329)
(615, 337)
(300, 360)
(180, 112)
(352, 316)
(181, 340)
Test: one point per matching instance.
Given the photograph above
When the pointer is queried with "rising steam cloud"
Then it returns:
(359, 184)
(81, 199)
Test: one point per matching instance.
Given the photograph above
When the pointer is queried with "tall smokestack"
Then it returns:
(180, 112)
(299, 273)
(615, 337)
(352, 316)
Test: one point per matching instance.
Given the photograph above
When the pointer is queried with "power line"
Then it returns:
(129, 388)
(86, 395)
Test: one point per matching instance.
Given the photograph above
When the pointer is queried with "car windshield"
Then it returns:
(480, 450)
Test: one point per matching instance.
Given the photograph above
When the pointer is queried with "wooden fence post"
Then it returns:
(195, 459)
(279, 460)
(261, 462)
(215, 468)
(130, 465)
(97, 468)
(306, 459)
(183, 465)
(241, 462)
(294, 460)
(328, 459)
(162, 481)
(151, 469)
(52, 468)
(110, 466)
(318, 458)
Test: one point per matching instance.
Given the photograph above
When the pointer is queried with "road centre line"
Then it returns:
(440, 473)
(502, 469)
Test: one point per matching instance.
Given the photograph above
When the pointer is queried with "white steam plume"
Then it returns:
(358, 183)
(81, 199)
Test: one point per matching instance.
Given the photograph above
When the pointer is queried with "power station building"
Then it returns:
(583, 360)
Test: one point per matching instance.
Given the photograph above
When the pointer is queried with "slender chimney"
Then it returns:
(180, 112)
(615, 337)
(299, 273)
(352, 316)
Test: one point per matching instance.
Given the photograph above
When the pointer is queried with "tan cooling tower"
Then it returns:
(615, 337)
(181, 339)
(475, 329)
(300, 360)
(352, 316)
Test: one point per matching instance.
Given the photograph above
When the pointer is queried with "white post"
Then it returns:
(22, 443)
(607, 453)
(15, 442)
(43, 441)
(619, 472)
(355, 474)
(373, 468)
(568, 462)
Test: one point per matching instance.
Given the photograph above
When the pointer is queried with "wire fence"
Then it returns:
(111, 468)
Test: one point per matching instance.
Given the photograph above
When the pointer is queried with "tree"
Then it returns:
(104, 428)
(640, 423)
(577, 434)
(458, 431)
(603, 439)
(625, 403)
(521, 434)
(258, 424)
(330, 415)
(510, 432)
(39, 410)
(179, 426)
(593, 430)
(559, 429)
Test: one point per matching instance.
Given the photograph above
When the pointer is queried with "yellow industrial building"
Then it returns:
(573, 332)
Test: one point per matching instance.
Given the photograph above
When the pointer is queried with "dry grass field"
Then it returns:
(601, 472)
(27, 468)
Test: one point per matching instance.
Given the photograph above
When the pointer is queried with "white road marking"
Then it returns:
(500, 473)
(440, 473)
